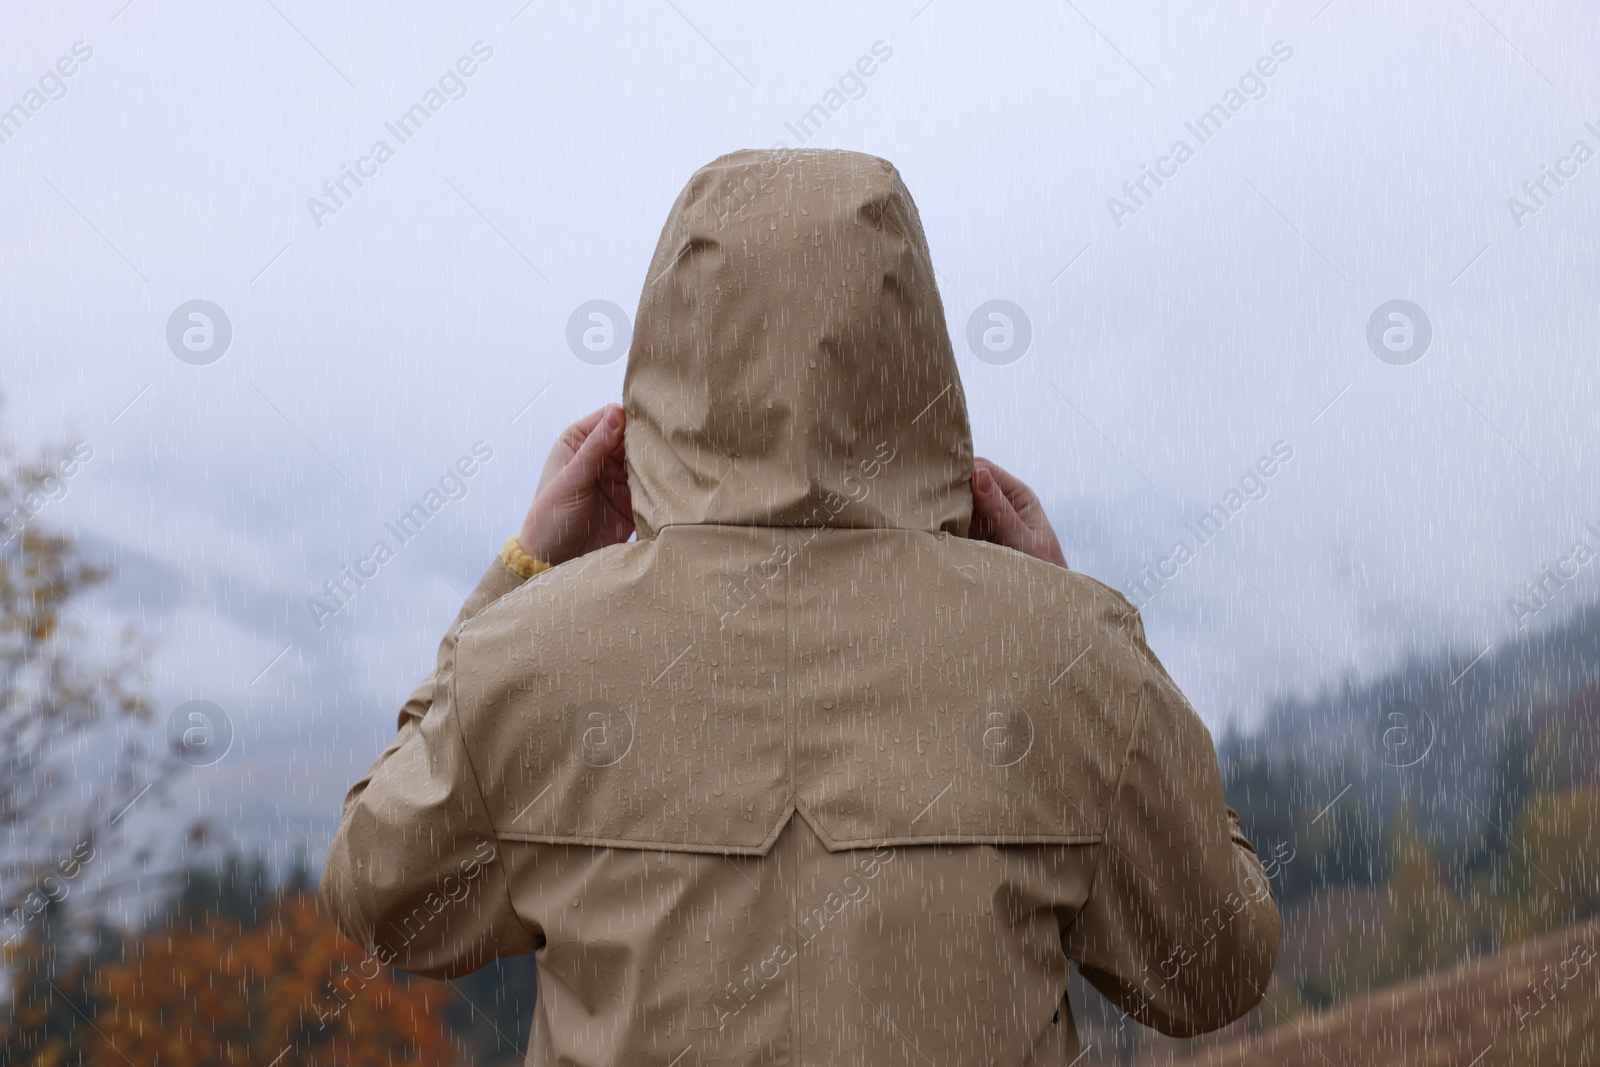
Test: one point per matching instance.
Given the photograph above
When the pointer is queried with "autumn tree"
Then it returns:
(1427, 924)
(60, 678)
(289, 991)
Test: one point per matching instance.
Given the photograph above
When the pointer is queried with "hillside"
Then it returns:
(1537, 1002)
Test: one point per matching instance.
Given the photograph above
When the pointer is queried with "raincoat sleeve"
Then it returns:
(1180, 930)
(413, 875)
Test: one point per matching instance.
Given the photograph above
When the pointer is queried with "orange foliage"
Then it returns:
(292, 991)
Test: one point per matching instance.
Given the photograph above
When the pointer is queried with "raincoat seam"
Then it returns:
(795, 1033)
(1116, 796)
(633, 845)
(799, 526)
(477, 785)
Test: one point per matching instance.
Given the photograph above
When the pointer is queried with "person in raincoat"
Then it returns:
(837, 762)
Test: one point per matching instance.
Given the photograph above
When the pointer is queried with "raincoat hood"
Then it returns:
(790, 364)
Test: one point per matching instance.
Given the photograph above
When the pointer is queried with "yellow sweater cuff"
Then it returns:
(519, 562)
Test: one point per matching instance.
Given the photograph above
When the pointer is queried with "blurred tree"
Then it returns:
(292, 991)
(1266, 794)
(1552, 868)
(56, 683)
(1427, 925)
(236, 888)
(493, 1015)
(1566, 750)
(45, 1020)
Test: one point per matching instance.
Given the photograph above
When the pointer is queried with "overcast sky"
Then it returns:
(1179, 335)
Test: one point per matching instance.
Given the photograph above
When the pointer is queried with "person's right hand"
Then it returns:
(1006, 512)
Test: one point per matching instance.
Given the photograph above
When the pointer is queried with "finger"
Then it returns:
(618, 501)
(1016, 490)
(581, 429)
(574, 436)
(568, 442)
(614, 485)
(1003, 524)
(571, 439)
(586, 464)
(989, 494)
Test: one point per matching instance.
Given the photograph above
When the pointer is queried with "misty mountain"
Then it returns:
(1460, 737)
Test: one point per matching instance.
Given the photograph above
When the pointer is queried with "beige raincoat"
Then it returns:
(803, 775)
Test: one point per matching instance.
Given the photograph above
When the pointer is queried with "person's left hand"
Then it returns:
(582, 502)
